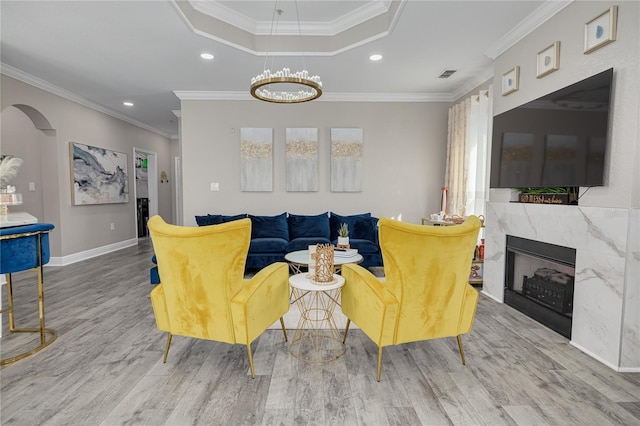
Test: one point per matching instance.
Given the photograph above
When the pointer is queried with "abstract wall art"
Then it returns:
(302, 159)
(256, 159)
(346, 160)
(99, 175)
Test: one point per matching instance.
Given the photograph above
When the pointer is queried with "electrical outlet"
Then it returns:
(215, 186)
(32, 186)
(113, 226)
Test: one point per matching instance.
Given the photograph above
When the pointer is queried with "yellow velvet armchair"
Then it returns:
(425, 293)
(203, 293)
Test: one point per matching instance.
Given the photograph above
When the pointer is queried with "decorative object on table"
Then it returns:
(9, 166)
(24, 248)
(256, 159)
(511, 81)
(426, 292)
(343, 236)
(548, 60)
(601, 30)
(99, 175)
(444, 208)
(346, 160)
(548, 195)
(324, 264)
(301, 159)
(296, 87)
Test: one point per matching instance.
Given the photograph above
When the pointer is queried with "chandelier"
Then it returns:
(284, 86)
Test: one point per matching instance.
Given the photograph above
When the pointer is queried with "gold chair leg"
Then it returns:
(284, 330)
(461, 350)
(43, 337)
(12, 324)
(253, 374)
(379, 362)
(346, 330)
(166, 349)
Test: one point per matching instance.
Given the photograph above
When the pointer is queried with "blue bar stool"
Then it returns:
(24, 248)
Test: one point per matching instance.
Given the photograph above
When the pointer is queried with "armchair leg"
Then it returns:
(253, 374)
(346, 330)
(284, 330)
(166, 349)
(461, 350)
(379, 362)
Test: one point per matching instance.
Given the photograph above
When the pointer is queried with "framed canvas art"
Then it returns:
(601, 30)
(302, 159)
(256, 159)
(346, 160)
(99, 175)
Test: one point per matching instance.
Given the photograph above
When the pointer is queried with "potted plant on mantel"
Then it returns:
(343, 236)
(549, 195)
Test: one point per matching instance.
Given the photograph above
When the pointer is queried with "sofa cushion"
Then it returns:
(267, 245)
(269, 226)
(216, 219)
(308, 226)
(366, 229)
(304, 243)
(336, 220)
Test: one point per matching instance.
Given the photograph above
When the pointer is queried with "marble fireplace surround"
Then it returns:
(606, 312)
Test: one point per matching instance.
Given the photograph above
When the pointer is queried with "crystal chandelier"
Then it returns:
(284, 86)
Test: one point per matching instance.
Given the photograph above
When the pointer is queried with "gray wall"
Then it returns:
(404, 157)
(83, 228)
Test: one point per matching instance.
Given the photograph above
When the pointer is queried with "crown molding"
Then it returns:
(539, 16)
(357, 16)
(189, 95)
(22, 76)
(480, 78)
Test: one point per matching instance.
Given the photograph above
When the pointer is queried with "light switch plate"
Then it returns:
(215, 186)
(32, 186)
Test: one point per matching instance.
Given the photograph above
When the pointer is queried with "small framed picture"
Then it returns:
(510, 81)
(548, 60)
(601, 30)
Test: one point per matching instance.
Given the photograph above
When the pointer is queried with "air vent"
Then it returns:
(447, 73)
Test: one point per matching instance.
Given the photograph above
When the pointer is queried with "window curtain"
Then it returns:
(467, 171)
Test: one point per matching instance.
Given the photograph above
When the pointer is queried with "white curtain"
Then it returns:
(466, 175)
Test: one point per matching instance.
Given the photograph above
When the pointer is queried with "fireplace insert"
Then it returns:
(539, 282)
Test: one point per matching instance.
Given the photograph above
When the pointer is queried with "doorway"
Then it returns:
(145, 189)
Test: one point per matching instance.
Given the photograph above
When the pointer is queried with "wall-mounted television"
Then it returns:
(559, 139)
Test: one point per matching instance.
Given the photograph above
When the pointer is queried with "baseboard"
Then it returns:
(88, 254)
(490, 296)
(605, 362)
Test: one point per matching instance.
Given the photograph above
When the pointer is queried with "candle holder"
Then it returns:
(324, 264)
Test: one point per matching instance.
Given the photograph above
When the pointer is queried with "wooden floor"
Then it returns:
(106, 368)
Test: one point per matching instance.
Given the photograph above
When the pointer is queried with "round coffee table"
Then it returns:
(316, 338)
(301, 258)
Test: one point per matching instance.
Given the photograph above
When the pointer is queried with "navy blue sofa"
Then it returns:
(272, 237)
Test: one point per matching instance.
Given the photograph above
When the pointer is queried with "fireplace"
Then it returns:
(539, 281)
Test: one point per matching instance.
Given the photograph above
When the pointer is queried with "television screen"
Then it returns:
(559, 139)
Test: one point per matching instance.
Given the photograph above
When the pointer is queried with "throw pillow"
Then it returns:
(269, 226)
(335, 220)
(366, 229)
(216, 219)
(308, 226)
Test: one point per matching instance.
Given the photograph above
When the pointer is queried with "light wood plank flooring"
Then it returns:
(106, 368)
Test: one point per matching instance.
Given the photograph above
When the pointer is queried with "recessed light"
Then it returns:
(375, 57)
(127, 104)
(207, 56)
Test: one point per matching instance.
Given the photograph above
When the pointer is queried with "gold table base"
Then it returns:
(316, 338)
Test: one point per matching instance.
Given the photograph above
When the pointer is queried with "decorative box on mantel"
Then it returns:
(547, 198)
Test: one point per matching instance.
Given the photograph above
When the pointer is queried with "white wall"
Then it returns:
(605, 227)
(80, 229)
(404, 157)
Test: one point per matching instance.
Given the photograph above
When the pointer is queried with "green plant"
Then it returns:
(545, 190)
(343, 231)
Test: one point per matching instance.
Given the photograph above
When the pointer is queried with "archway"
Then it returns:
(28, 134)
